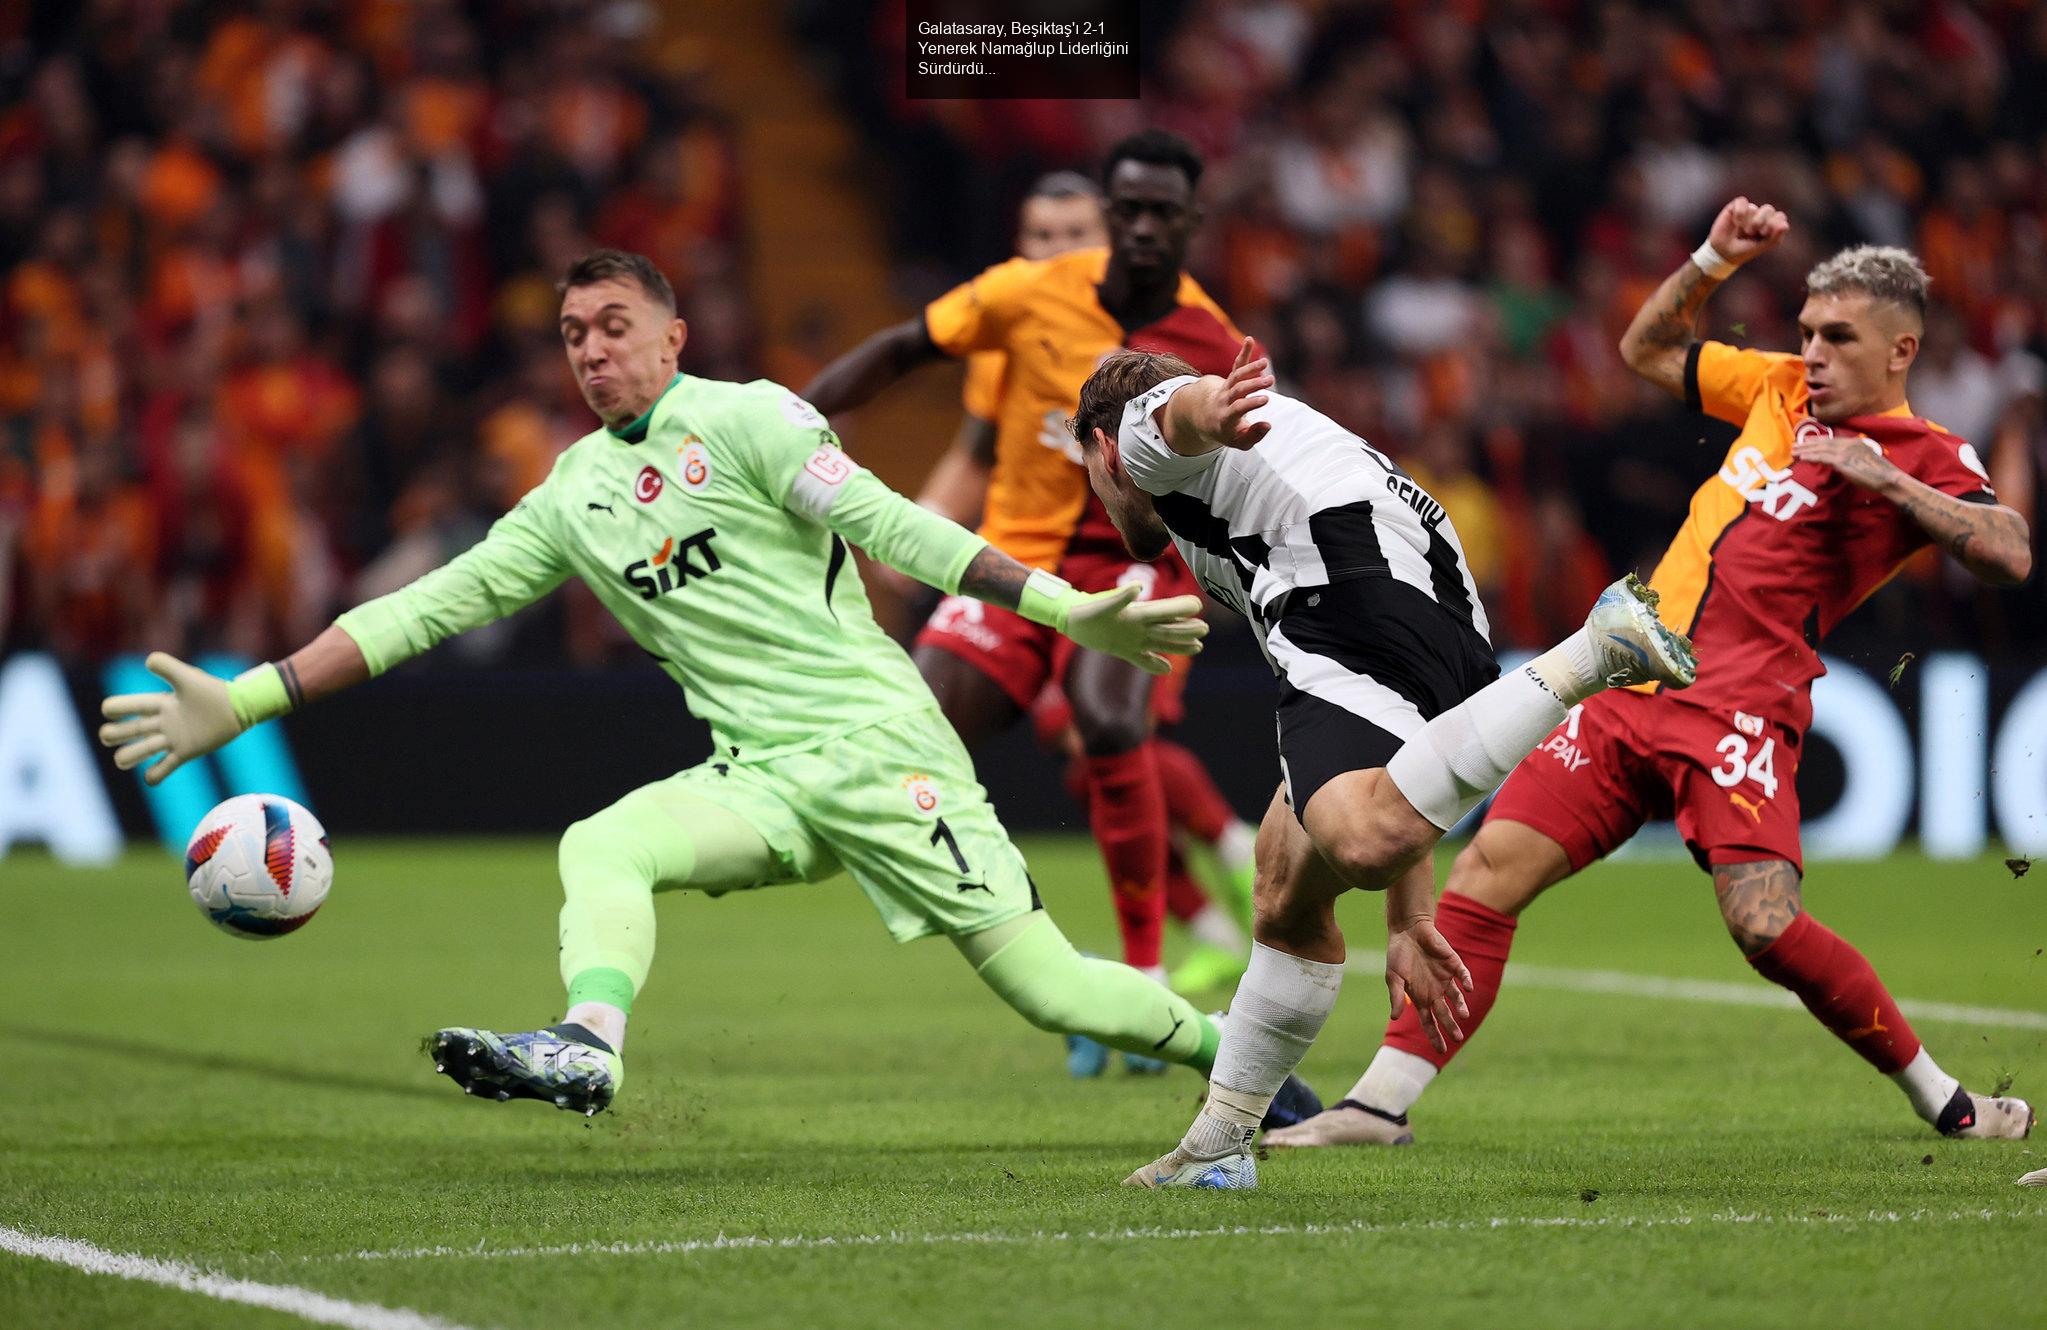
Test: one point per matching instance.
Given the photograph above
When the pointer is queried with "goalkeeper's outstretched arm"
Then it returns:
(514, 565)
(940, 553)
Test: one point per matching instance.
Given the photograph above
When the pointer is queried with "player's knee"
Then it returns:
(1114, 732)
(1373, 848)
(600, 840)
(582, 842)
(1479, 873)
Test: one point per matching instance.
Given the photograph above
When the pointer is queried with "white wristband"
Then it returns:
(1712, 262)
(1044, 598)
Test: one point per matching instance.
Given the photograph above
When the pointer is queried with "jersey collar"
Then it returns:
(637, 430)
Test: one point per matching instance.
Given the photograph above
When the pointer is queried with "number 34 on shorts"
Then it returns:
(1748, 754)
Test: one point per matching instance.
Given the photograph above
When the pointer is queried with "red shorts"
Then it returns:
(1023, 657)
(1729, 778)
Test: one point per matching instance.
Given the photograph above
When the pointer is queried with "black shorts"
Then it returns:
(1364, 663)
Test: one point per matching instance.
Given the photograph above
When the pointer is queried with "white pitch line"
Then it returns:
(289, 1298)
(1721, 992)
(827, 1242)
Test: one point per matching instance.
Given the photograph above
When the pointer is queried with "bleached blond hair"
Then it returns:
(1882, 272)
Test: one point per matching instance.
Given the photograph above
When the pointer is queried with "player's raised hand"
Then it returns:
(1144, 632)
(188, 722)
(1243, 392)
(1422, 967)
(1744, 229)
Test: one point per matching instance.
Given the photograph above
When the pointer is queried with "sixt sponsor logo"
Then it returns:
(676, 562)
(1771, 488)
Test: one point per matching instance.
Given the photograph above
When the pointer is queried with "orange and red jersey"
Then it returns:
(981, 391)
(1775, 551)
(1047, 316)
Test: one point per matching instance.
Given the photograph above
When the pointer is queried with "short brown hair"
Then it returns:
(1124, 375)
(604, 265)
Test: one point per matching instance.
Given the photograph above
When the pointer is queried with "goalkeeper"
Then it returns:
(713, 520)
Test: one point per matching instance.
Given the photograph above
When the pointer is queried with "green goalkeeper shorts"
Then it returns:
(897, 806)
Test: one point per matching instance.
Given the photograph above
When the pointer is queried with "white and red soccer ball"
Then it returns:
(258, 865)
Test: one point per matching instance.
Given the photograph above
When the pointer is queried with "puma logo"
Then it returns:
(1876, 1026)
(1753, 810)
(1178, 1021)
(594, 507)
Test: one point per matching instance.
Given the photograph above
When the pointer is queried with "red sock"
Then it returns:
(1076, 780)
(1482, 936)
(1127, 812)
(1184, 896)
(1837, 984)
(1192, 800)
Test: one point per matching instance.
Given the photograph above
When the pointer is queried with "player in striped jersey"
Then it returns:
(1393, 720)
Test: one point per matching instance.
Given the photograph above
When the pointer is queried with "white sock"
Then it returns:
(1279, 1008)
(601, 1019)
(1217, 929)
(1394, 1081)
(1461, 756)
(1155, 973)
(1571, 668)
(1237, 846)
(1926, 1085)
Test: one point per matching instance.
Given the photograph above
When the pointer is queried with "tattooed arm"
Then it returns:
(995, 577)
(1989, 539)
(1656, 343)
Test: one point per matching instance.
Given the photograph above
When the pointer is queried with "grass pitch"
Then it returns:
(820, 1128)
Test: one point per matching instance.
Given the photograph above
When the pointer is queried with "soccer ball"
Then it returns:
(258, 865)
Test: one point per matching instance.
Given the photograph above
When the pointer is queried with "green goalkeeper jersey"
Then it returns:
(716, 529)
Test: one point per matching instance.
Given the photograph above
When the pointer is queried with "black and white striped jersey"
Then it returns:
(1310, 506)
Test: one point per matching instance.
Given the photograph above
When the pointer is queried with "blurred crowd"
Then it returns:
(277, 293)
(1441, 216)
(276, 276)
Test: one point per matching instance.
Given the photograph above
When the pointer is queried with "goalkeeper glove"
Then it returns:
(1115, 622)
(199, 714)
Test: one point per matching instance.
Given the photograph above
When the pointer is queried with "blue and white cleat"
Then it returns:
(1295, 1103)
(1231, 1172)
(552, 1065)
(1085, 1058)
(1630, 643)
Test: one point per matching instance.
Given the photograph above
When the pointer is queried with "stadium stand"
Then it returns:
(1441, 217)
(276, 279)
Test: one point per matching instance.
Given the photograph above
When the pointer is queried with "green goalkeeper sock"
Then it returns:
(1031, 966)
(612, 863)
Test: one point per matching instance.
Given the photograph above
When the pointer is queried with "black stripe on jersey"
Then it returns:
(1693, 402)
(1978, 496)
(1348, 540)
(1391, 632)
(832, 571)
(1446, 575)
(1190, 519)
